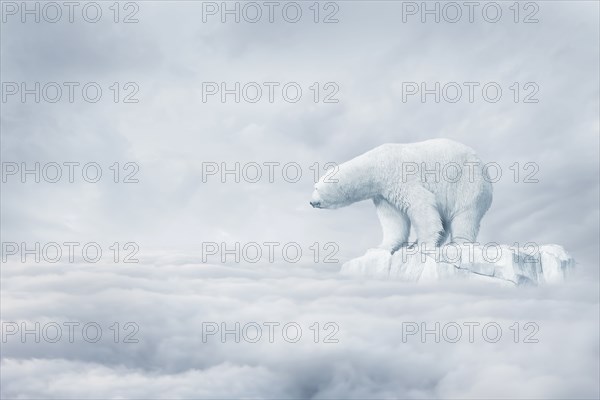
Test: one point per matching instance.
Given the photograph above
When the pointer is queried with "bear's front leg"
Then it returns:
(394, 223)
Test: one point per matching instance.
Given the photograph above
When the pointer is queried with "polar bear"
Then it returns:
(439, 187)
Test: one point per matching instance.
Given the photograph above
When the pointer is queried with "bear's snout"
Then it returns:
(315, 200)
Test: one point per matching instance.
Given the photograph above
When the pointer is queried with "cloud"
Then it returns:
(170, 303)
(170, 212)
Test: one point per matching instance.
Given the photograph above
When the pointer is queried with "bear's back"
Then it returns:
(428, 151)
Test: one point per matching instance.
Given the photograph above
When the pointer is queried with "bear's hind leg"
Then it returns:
(394, 223)
(425, 218)
(465, 227)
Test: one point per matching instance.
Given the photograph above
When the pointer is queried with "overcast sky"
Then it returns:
(368, 56)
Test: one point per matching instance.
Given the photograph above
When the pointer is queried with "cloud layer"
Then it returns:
(172, 304)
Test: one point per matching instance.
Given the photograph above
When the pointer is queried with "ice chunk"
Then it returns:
(497, 263)
(375, 263)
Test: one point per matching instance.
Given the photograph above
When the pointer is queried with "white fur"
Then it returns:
(435, 208)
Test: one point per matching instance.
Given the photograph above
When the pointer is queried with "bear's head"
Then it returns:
(338, 188)
(352, 181)
(329, 194)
